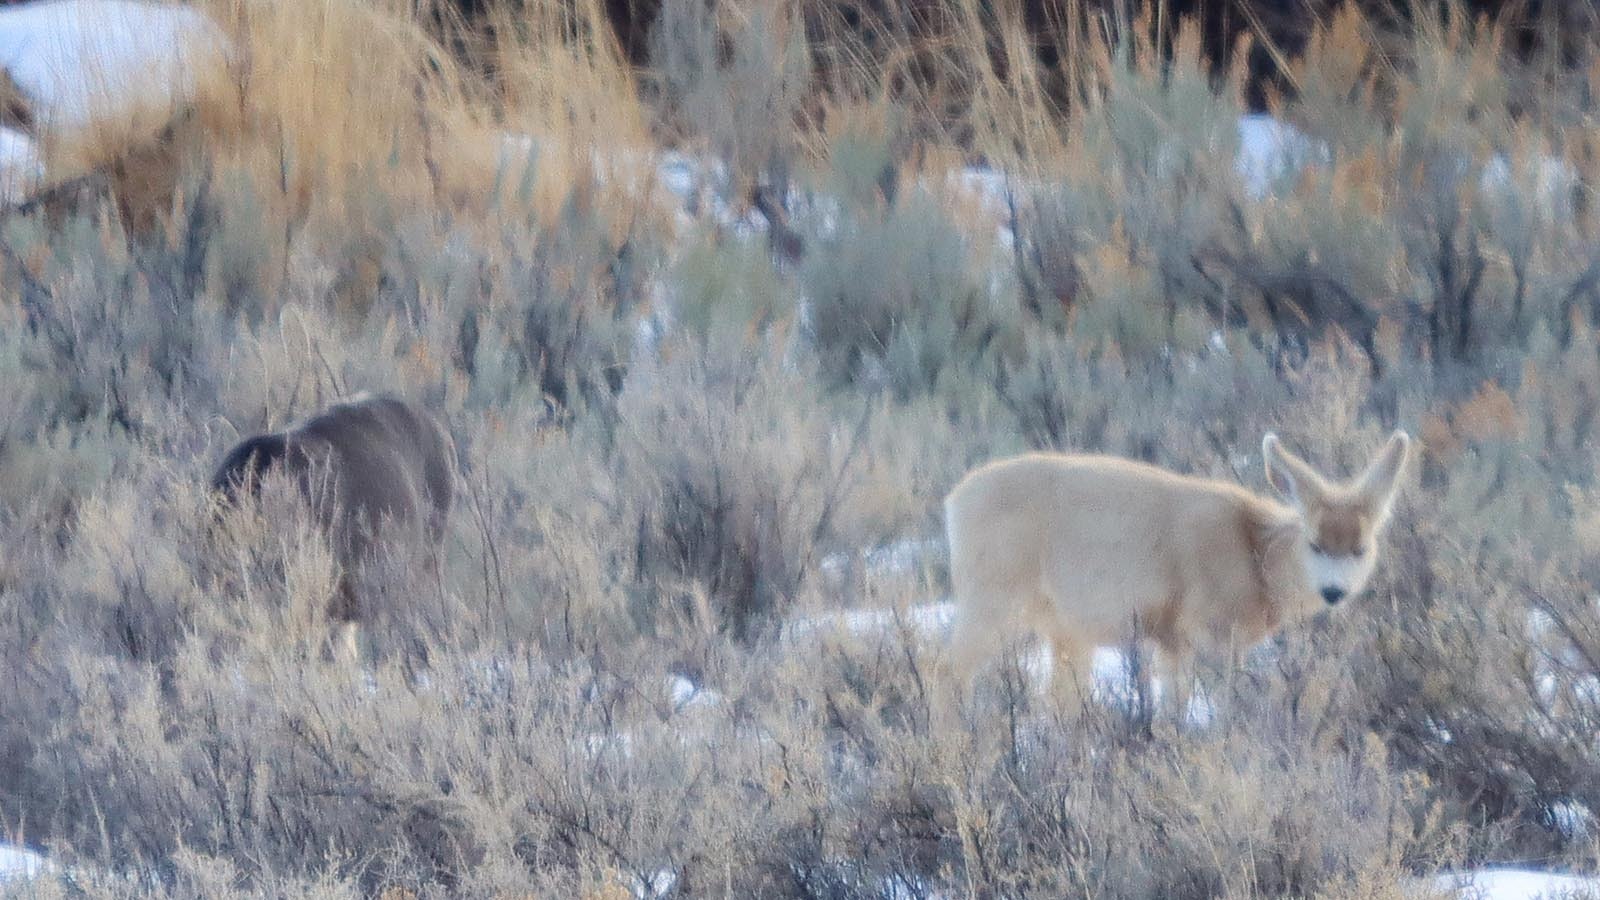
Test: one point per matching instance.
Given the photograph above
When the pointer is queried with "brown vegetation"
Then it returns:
(674, 442)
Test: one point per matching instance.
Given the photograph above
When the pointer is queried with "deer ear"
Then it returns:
(1287, 474)
(1379, 483)
(1269, 446)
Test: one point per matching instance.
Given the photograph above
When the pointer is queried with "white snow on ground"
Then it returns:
(658, 884)
(895, 558)
(685, 694)
(17, 863)
(1551, 180)
(928, 621)
(1269, 149)
(1516, 884)
(1573, 819)
(76, 59)
(21, 169)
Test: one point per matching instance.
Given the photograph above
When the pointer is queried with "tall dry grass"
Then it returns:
(680, 454)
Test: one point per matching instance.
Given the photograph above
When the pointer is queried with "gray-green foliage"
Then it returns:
(733, 79)
(731, 471)
(894, 296)
(635, 510)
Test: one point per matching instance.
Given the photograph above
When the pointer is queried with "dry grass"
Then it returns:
(644, 507)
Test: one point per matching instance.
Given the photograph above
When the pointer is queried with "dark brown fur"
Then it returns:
(373, 468)
(15, 110)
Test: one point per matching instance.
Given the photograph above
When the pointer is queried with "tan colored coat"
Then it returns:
(1082, 549)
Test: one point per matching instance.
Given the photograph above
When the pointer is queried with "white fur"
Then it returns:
(1347, 573)
(1089, 550)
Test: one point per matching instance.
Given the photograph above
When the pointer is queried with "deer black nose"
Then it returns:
(1332, 594)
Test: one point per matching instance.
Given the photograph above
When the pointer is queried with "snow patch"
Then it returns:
(927, 621)
(890, 559)
(684, 695)
(1551, 181)
(20, 864)
(1269, 149)
(1515, 884)
(21, 168)
(1572, 819)
(656, 884)
(77, 60)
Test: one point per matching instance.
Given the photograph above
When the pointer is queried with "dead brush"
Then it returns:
(638, 678)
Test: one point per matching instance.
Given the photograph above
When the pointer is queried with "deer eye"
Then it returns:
(1317, 549)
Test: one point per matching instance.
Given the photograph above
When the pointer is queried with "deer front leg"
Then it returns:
(1178, 672)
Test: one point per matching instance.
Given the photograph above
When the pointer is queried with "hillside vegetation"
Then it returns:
(713, 339)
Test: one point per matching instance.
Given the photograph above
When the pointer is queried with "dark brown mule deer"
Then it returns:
(375, 471)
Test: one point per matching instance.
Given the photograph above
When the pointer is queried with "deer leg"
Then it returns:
(344, 638)
(1071, 675)
(1177, 661)
(974, 643)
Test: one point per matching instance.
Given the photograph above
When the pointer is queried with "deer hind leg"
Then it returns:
(346, 643)
(976, 641)
(344, 633)
(1176, 660)
(1071, 672)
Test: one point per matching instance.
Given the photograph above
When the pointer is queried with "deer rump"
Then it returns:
(374, 470)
